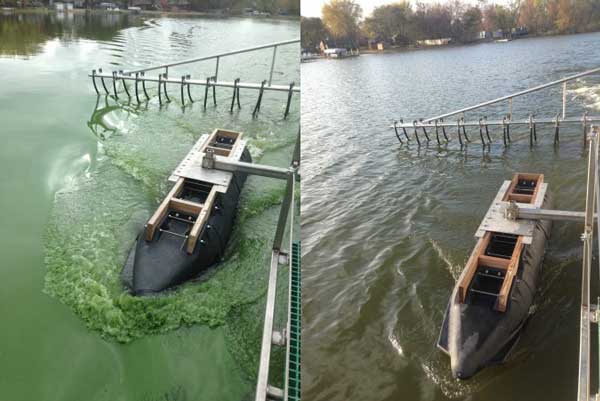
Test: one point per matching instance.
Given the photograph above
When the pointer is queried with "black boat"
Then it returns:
(190, 229)
(492, 299)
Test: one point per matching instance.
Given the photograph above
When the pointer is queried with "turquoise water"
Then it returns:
(85, 174)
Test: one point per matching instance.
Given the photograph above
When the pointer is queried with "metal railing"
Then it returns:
(510, 97)
(437, 122)
(217, 57)
(185, 81)
(279, 256)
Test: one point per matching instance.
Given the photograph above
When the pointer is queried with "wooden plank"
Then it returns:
(538, 185)
(521, 198)
(210, 140)
(186, 206)
(471, 266)
(511, 272)
(201, 220)
(161, 212)
(228, 134)
(219, 151)
(492, 261)
(237, 142)
(513, 183)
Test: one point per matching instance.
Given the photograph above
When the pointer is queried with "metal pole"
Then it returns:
(296, 155)
(583, 391)
(262, 385)
(262, 382)
(272, 64)
(510, 109)
(564, 100)
(226, 164)
(231, 53)
(516, 94)
(217, 68)
(284, 211)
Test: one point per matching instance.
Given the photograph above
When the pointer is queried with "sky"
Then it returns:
(312, 8)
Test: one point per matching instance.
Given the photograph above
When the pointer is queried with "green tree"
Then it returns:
(312, 32)
(471, 22)
(341, 20)
(391, 23)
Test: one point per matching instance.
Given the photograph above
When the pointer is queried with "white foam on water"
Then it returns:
(454, 269)
(396, 344)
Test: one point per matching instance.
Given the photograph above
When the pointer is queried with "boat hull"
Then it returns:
(163, 263)
(476, 336)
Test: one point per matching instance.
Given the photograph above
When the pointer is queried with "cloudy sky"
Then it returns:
(312, 8)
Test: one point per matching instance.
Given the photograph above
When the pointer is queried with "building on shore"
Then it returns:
(434, 42)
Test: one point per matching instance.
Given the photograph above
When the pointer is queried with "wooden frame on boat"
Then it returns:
(521, 184)
(201, 211)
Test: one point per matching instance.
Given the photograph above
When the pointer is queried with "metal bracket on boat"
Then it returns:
(283, 258)
(496, 217)
(512, 211)
(208, 161)
(279, 338)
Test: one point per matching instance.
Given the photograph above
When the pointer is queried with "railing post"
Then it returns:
(217, 69)
(272, 64)
(564, 100)
(510, 108)
(583, 388)
(284, 212)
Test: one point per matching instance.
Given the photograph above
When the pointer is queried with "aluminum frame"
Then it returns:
(520, 93)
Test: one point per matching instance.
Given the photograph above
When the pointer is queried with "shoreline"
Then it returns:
(399, 49)
(154, 13)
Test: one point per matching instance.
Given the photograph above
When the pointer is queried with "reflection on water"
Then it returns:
(24, 34)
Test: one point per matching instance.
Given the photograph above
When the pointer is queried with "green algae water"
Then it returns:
(82, 173)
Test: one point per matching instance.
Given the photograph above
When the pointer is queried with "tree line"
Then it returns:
(404, 23)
